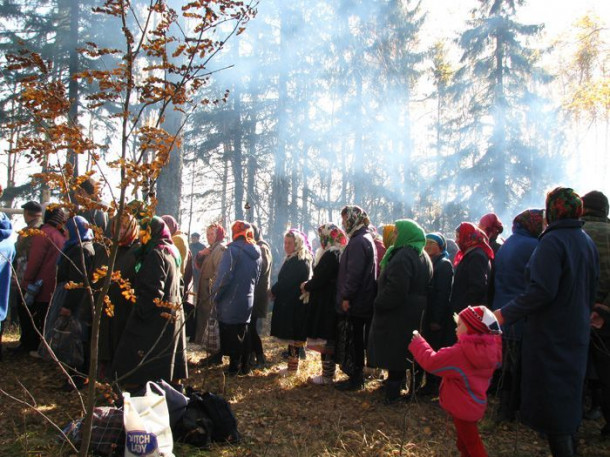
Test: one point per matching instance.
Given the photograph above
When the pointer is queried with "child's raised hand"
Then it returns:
(416, 335)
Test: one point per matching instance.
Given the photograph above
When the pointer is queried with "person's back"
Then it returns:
(7, 253)
(562, 278)
(234, 286)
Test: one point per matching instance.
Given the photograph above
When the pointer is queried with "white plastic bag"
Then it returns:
(146, 419)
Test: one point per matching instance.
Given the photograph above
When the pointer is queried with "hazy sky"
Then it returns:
(589, 162)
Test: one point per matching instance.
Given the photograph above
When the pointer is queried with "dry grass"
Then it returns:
(278, 417)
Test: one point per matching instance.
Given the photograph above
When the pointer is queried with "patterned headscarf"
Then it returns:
(171, 222)
(530, 220)
(439, 239)
(155, 234)
(127, 227)
(242, 228)
(408, 233)
(302, 248)
(78, 231)
(331, 236)
(356, 219)
(491, 225)
(468, 237)
(220, 231)
(563, 203)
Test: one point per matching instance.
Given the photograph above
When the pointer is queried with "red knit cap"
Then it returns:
(479, 319)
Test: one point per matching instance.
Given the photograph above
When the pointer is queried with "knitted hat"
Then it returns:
(595, 203)
(479, 319)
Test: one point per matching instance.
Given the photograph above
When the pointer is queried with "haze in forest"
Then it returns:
(405, 108)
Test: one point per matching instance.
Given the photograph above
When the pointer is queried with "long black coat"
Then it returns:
(148, 331)
(289, 318)
(322, 288)
(438, 308)
(398, 308)
(562, 278)
(470, 282)
(111, 328)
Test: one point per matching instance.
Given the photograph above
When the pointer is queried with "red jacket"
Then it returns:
(466, 369)
(42, 261)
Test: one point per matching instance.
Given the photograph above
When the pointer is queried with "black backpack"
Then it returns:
(208, 417)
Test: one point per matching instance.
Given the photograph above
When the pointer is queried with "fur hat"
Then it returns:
(479, 319)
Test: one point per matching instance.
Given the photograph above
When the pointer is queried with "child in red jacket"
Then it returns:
(466, 369)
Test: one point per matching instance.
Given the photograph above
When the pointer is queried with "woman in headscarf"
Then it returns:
(180, 240)
(113, 321)
(153, 343)
(289, 318)
(406, 271)
(209, 259)
(322, 291)
(438, 318)
(492, 226)
(357, 287)
(472, 267)
(75, 262)
(510, 282)
(233, 294)
(562, 276)
(261, 297)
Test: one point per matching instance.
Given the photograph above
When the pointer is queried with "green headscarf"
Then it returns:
(409, 234)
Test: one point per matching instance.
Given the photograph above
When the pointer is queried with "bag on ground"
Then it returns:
(66, 341)
(211, 335)
(147, 426)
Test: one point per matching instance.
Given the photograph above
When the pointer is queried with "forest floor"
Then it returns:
(277, 416)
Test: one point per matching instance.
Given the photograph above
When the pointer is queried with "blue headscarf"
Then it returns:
(439, 239)
(78, 231)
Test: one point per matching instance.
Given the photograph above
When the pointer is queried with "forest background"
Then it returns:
(436, 110)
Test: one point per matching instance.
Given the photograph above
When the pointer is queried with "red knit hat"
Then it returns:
(479, 319)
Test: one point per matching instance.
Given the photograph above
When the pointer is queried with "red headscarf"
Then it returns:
(491, 225)
(468, 237)
(242, 228)
(220, 232)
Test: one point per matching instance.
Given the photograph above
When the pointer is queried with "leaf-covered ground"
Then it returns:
(277, 416)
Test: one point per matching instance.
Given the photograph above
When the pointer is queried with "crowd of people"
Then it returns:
(524, 317)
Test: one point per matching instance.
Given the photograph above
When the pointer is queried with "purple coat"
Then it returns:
(357, 280)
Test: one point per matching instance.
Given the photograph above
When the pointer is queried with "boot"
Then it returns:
(561, 445)
(355, 382)
(392, 392)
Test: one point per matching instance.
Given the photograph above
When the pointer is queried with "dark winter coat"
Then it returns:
(72, 268)
(357, 280)
(510, 280)
(562, 276)
(598, 228)
(470, 282)
(438, 307)
(111, 328)
(261, 291)
(233, 289)
(147, 330)
(289, 318)
(322, 288)
(399, 308)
